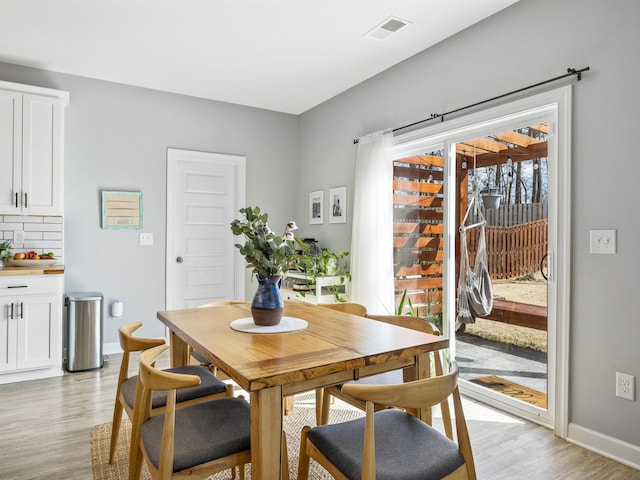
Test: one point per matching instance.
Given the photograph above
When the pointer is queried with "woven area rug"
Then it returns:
(303, 414)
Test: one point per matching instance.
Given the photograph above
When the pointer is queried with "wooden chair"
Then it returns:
(209, 388)
(396, 444)
(194, 441)
(395, 376)
(347, 307)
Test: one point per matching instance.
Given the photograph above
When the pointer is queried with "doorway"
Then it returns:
(503, 180)
(552, 109)
(204, 193)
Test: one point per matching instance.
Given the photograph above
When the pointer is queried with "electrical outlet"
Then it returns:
(18, 236)
(146, 239)
(625, 386)
(602, 241)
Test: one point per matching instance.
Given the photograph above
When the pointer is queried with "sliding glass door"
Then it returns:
(517, 154)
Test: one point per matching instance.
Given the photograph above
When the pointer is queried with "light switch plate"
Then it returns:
(602, 242)
(18, 236)
(146, 238)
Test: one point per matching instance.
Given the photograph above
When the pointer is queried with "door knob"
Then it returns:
(179, 260)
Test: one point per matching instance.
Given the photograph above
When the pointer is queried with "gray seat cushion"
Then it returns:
(209, 385)
(203, 432)
(406, 447)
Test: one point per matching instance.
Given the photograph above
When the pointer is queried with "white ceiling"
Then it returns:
(282, 55)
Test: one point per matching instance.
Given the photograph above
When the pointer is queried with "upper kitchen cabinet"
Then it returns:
(31, 149)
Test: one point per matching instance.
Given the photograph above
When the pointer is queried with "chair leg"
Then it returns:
(115, 429)
(319, 403)
(326, 404)
(303, 460)
(135, 466)
(284, 455)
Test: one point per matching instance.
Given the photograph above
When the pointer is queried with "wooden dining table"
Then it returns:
(334, 347)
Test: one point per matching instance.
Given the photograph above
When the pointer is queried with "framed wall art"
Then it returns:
(121, 210)
(338, 205)
(316, 201)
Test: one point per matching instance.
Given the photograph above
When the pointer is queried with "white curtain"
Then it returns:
(372, 236)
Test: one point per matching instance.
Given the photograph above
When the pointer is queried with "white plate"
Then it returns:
(33, 263)
(287, 324)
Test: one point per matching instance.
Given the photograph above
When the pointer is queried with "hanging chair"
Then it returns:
(475, 291)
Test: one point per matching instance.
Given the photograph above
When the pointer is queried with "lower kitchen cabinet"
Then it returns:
(30, 327)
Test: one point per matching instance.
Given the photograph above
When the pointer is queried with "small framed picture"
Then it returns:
(316, 201)
(338, 205)
(121, 210)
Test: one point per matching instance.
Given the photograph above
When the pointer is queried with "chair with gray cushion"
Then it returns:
(194, 441)
(387, 378)
(392, 444)
(208, 388)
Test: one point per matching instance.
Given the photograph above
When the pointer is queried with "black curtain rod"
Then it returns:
(570, 72)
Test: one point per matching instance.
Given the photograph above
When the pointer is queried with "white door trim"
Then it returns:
(553, 106)
(239, 163)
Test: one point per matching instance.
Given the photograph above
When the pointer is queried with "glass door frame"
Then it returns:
(552, 107)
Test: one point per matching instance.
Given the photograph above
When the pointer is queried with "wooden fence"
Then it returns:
(513, 251)
(513, 214)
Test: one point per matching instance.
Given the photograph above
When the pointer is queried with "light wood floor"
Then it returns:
(45, 429)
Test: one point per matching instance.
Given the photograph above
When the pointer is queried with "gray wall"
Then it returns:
(526, 43)
(116, 139)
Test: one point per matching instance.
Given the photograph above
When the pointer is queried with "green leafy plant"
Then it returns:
(319, 263)
(400, 310)
(266, 253)
(6, 249)
(405, 307)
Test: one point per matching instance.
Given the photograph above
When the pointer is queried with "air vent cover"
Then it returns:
(385, 29)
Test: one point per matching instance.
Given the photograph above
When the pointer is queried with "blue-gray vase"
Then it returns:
(267, 305)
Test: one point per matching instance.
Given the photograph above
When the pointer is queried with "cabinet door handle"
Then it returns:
(26, 204)
(17, 286)
(11, 316)
(16, 199)
(21, 310)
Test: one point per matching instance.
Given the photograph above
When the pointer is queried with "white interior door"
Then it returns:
(204, 193)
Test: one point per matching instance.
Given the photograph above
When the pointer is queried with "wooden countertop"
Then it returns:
(54, 269)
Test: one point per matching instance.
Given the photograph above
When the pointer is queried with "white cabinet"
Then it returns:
(31, 149)
(297, 286)
(30, 327)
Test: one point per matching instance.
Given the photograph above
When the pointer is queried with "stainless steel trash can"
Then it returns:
(84, 318)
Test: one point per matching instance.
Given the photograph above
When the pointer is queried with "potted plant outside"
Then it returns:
(491, 198)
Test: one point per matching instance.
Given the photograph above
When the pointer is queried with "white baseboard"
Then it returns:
(111, 348)
(622, 452)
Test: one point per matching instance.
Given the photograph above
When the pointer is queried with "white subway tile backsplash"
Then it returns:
(31, 219)
(50, 235)
(42, 227)
(33, 235)
(41, 233)
(10, 227)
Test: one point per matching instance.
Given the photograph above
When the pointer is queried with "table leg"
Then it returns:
(266, 434)
(423, 370)
(179, 351)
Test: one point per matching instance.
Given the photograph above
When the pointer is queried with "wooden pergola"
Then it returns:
(418, 201)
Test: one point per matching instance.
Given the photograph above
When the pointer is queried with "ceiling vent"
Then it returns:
(387, 28)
